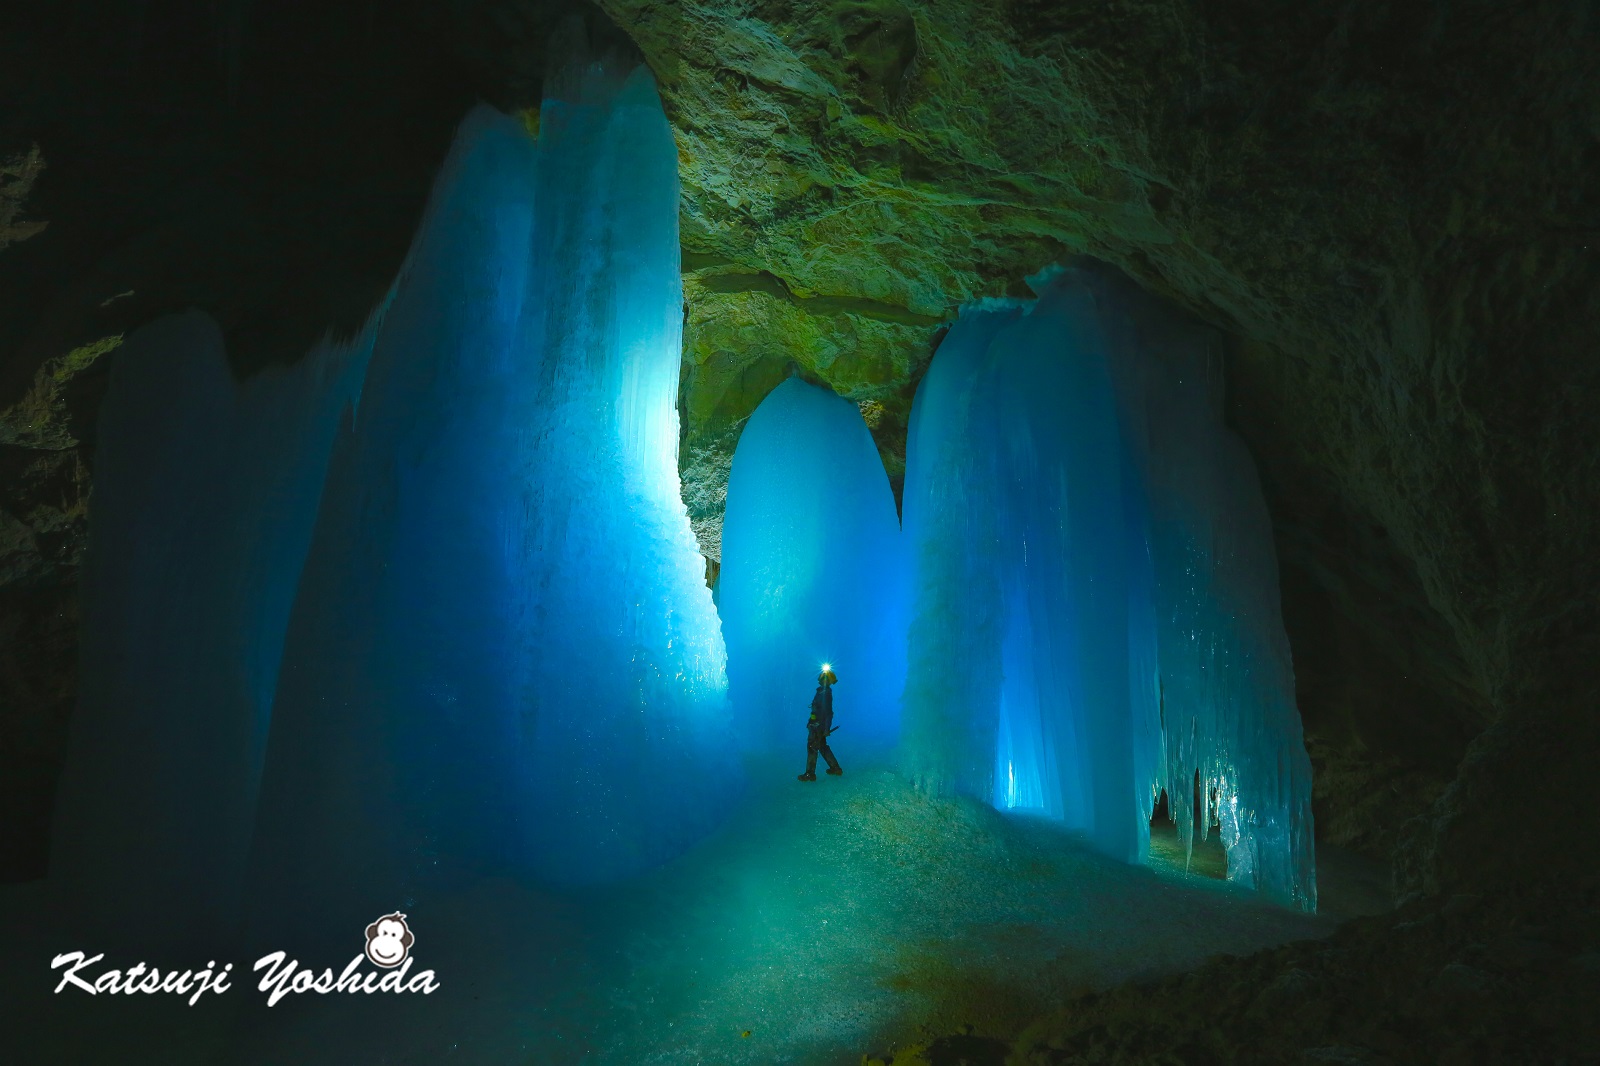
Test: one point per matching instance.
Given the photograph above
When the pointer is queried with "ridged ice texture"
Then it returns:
(626, 655)
(504, 658)
(1014, 506)
(951, 708)
(813, 571)
(205, 496)
(1227, 678)
(1095, 603)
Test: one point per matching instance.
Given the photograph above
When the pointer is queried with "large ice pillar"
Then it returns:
(813, 572)
(504, 658)
(1023, 580)
(1095, 602)
(1226, 675)
(631, 718)
(951, 708)
(205, 495)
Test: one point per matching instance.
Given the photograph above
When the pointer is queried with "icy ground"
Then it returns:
(824, 920)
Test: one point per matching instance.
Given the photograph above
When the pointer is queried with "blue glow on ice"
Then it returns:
(1095, 604)
(205, 496)
(504, 657)
(475, 608)
(813, 573)
(489, 648)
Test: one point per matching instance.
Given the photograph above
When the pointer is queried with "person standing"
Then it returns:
(820, 725)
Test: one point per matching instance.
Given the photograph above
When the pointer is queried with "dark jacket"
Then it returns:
(821, 720)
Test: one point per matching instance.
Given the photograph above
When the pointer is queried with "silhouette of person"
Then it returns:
(819, 725)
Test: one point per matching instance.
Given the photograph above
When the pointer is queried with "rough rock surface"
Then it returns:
(17, 175)
(1463, 980)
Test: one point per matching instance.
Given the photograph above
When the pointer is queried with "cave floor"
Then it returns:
(822, 921)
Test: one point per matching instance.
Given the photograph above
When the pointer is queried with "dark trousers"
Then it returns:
(817, 743)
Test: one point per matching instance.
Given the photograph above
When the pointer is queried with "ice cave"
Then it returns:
(462, 463)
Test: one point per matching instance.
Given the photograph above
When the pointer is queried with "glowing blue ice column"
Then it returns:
(951, 710)
(1228, 680)
(813, 571)
(1065, 527)
(1090, 539)
(1225, 676)
(504, 658)
(398, 749)
(1025, 519)
(630, 722)
(205, 496)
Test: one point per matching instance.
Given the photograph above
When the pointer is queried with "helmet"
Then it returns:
(827, 677)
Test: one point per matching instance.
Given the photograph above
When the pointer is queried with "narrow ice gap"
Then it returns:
(813, 572)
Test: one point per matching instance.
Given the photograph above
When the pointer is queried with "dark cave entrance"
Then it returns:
(1208, 857)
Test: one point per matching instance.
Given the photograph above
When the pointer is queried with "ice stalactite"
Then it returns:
(1226, 675)
(1095, 600)
(504, 658)
(813, 571)
(205, 496)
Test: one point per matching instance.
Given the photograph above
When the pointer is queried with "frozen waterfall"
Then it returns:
(813, 572)
(1095, 607)
(205, 495)
(367, 651)
(504, 658)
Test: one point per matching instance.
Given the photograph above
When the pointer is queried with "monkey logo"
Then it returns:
(389, 940)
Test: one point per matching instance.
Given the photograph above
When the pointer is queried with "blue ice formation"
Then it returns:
(1227, 677)
(813, 572)
(504, 657)
(1095, 607)
(205, 495)
(360, 651)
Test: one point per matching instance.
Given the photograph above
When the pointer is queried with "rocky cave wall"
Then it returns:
(1391, 210)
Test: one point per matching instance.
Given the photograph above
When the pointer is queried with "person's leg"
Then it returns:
(811, 763)
(833, 764)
